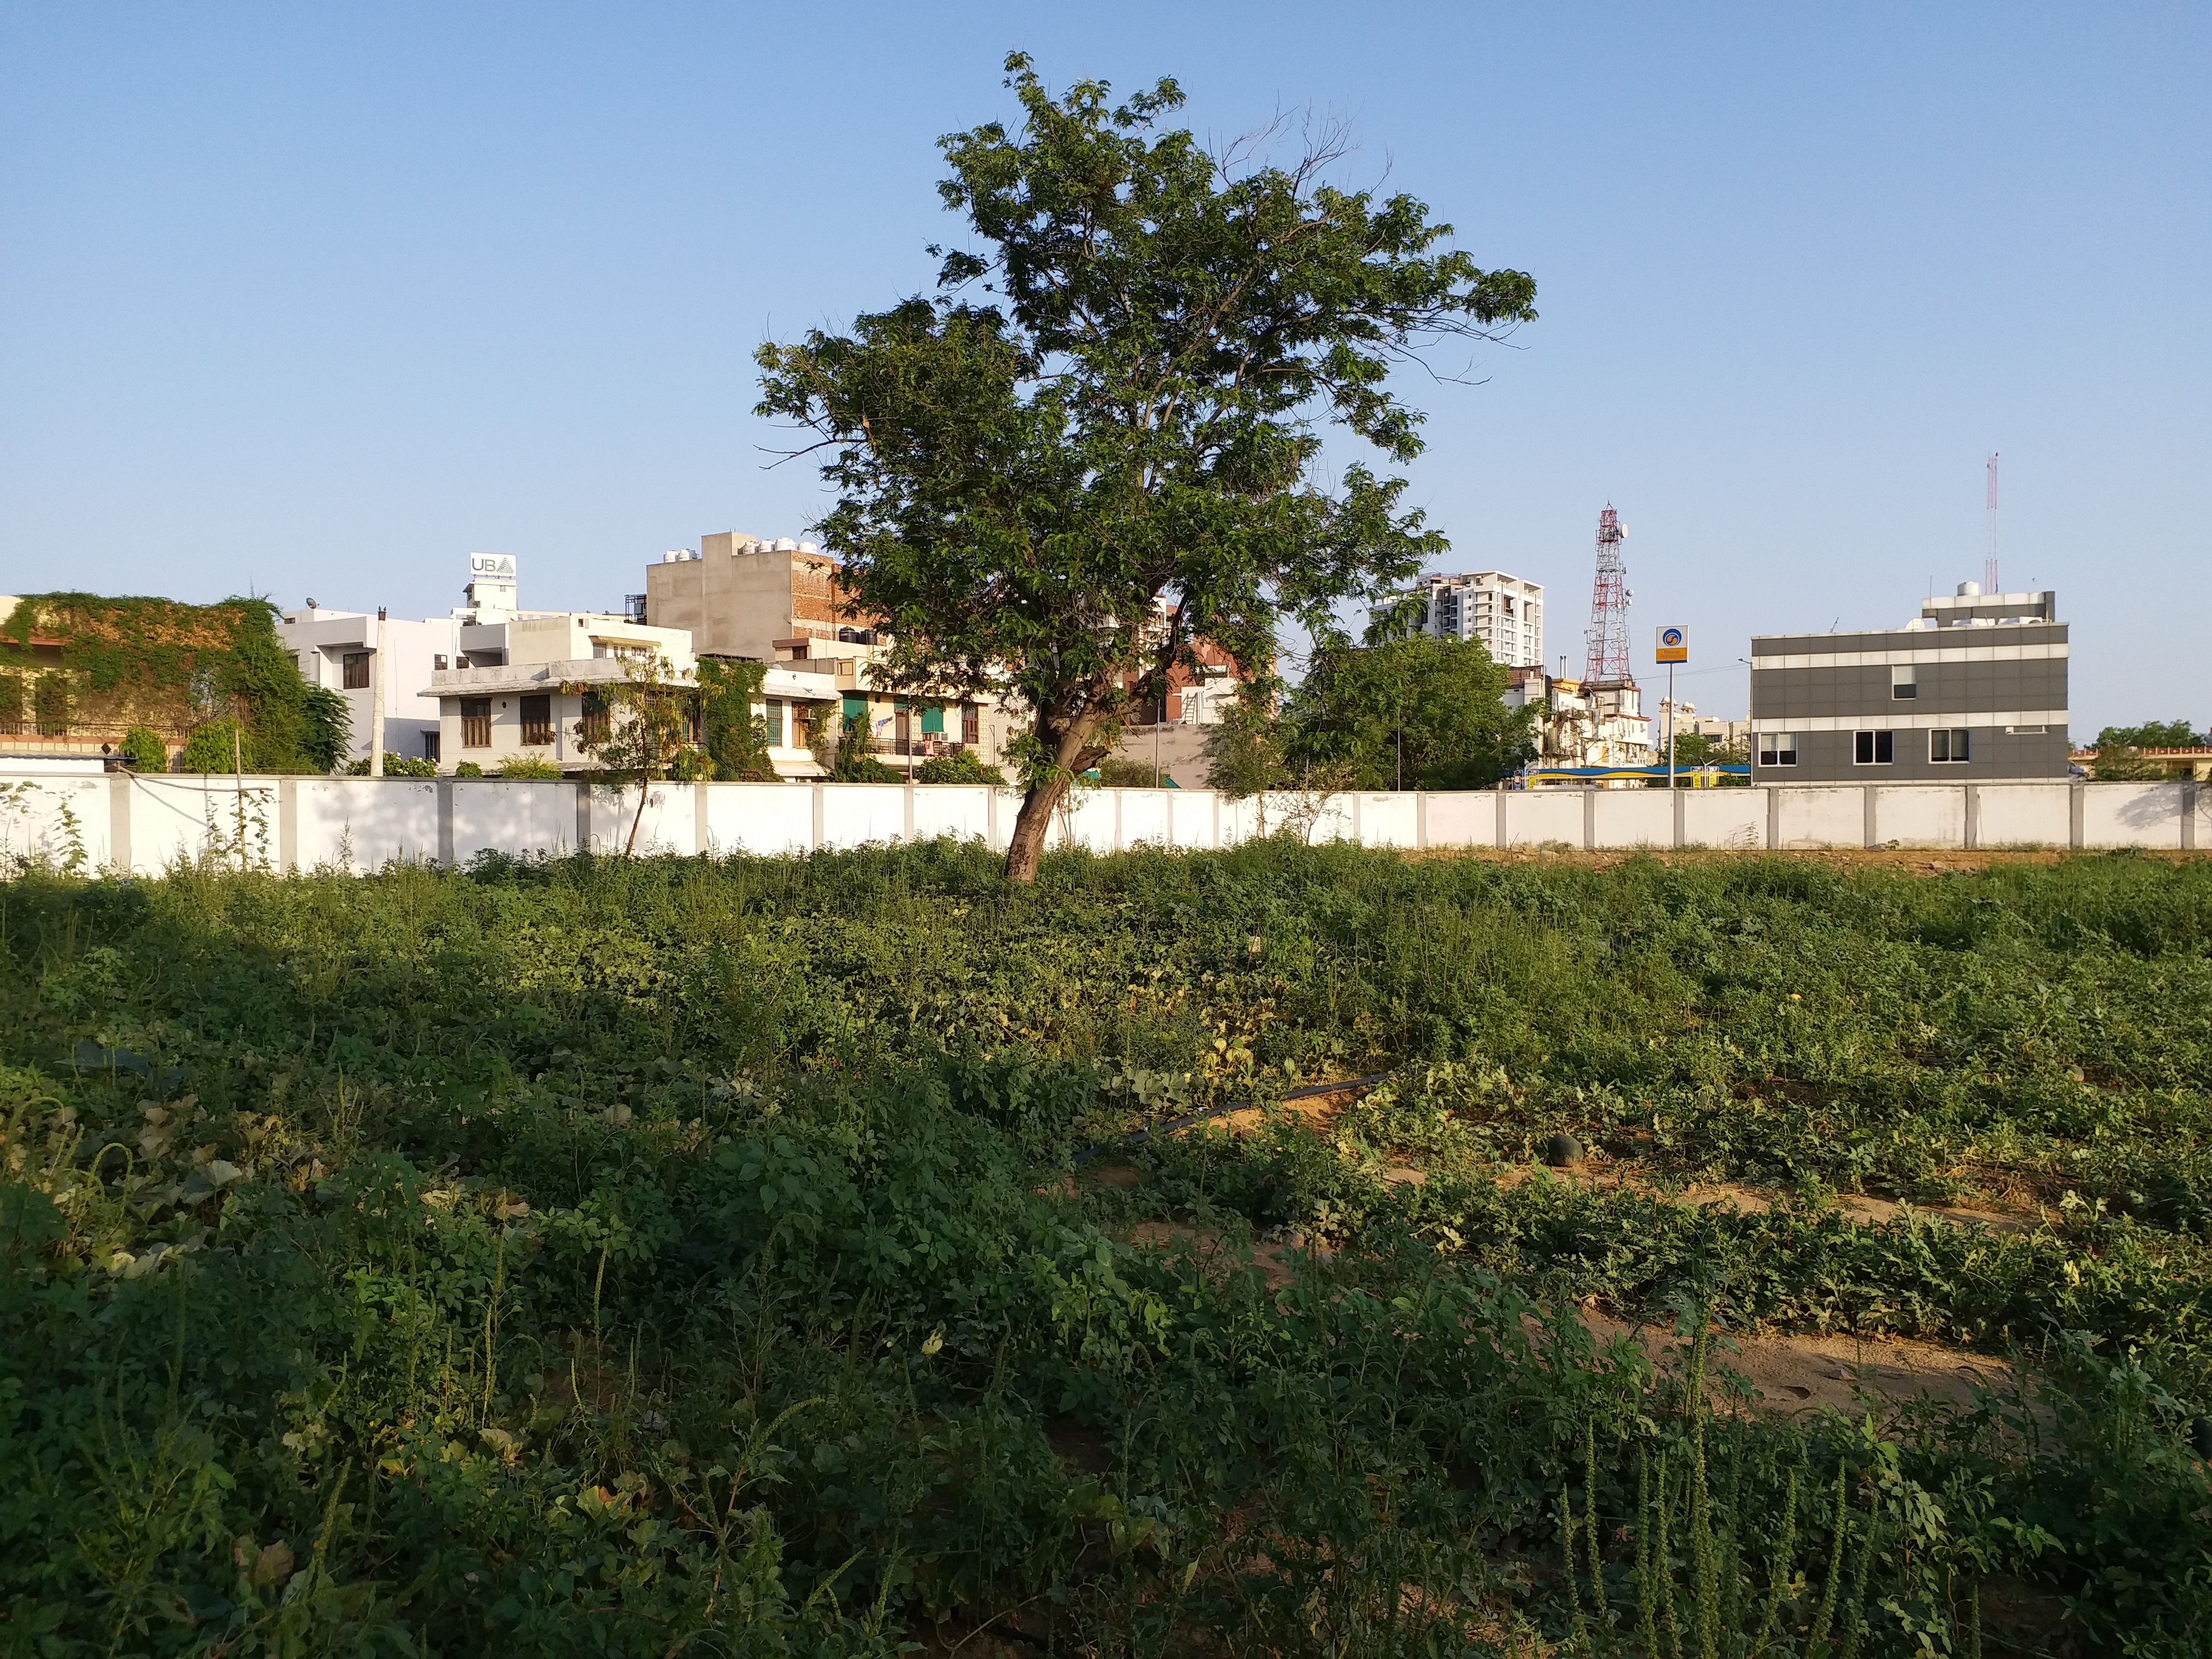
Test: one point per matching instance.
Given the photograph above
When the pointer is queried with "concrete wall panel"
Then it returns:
(1463, 817)
(960, 811)
(362, 824)
(2132, 815)
(1813, 816)
(522, 818)
(1924, 815)
(1540, 818)
(857, 814)
(1190, 816)
(1724, 817)
(1635, 818)
(59, 820)
(769, 819)
(1085, 818)
(2024, 815)
(1390, 820)
(1144, 816)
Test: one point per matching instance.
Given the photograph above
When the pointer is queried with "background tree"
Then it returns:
(646, 723)
(1416, 713)
(734, 738)
(2151, 734)
(1054, 491)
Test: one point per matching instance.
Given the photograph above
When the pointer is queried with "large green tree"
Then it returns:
(1101, 442)
(1411, 714)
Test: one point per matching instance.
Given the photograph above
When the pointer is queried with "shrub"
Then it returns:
(217, 746)
(962, 767)
(395, 766)
(142, 747)
(468, 769)
(528, 766)
(1119, 772)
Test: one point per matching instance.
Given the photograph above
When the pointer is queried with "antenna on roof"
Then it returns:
(1989, 537)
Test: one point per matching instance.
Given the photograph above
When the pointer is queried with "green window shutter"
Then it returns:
(933, 720)
(856, 708)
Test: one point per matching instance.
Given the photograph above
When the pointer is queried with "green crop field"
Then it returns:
(691, 1257)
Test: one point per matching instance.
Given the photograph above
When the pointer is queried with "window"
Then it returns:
(1777, 749)
(475, 722)
(775, 722)
(438, 662)
(1874, 748)
(596, 725)
(432, 743)
(355, 664)
(537, 721)
(1904, 681)
(902, 727)
(1948, 745)
(971, 724)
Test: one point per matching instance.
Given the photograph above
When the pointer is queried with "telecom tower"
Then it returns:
(1989, 537)
(1605, 647)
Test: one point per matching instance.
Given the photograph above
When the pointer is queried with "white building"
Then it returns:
(1505, 613)
(503, 698)
(337, 649)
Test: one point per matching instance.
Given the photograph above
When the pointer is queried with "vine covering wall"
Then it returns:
(95, 664)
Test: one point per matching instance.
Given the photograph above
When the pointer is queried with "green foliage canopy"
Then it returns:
(2151, 734)
(1440, 699)
(1056, 486)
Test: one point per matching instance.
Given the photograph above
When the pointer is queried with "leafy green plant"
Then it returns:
(963, 766)
(395, 766)
(218, 746)
(524, 766)
(603, 1255)
(468, 769)
(142, 747)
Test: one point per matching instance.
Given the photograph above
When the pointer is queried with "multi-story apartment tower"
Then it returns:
(1505, 613)
(1973, 687)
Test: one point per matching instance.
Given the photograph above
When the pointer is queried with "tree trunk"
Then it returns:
(1031, 825)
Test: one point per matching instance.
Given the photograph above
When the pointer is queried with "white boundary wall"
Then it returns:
(146, 824)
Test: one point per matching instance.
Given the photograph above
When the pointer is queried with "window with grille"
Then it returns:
(596, 723)
(1947, 745)
(1874, 748)
(537, 721)
(475, 722)
(775, 722)
(971, 724)
(1777, 749)
(355, 664)
(433, 742)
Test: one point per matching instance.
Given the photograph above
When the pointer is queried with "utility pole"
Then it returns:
(376, 700)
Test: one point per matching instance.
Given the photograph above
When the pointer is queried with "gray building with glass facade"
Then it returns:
(1972, 689)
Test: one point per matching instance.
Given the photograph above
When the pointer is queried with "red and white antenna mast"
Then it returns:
(1990, 535)
(1605, 647)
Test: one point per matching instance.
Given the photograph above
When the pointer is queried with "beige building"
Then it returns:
(504, 699)
(778, 602)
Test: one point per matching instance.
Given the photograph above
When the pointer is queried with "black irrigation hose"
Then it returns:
(1137, 1137)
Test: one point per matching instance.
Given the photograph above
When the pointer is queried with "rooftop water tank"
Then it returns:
(1969, 590)
(785, 545)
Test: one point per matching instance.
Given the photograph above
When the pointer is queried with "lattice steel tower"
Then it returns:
(1605, 647)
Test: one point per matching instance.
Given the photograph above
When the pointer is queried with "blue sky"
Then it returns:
(318, 300)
